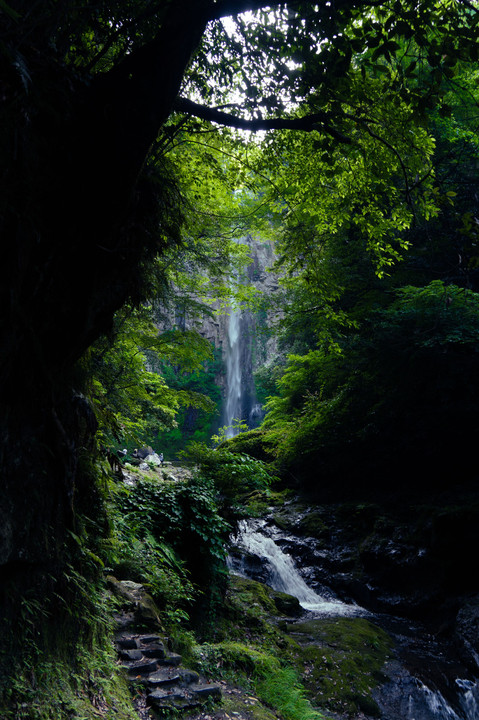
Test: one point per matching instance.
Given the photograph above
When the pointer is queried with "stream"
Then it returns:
(426, 679)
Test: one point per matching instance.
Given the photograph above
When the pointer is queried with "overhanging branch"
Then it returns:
(308, 123)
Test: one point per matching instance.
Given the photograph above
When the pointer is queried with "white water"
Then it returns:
(284, 574)
(233, 408)
(420, 703)
(431, 705)
(469, 698)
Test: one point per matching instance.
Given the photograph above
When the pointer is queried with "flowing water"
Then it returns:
(233, 407)
(424, 683)
(283, 573)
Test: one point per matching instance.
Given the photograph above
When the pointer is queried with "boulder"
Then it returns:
(286, 604)
(135, 596)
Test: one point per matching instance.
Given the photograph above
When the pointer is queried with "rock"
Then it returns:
(147, 639)
(130, 654)
(286, 604)
(162, 697)
(167, 688)
(127, 643)
(153, 459)
(466, 631)
(155, 650)
(143, 667)
(171, 659)
(177, 699)
(189, 677)
(204, 691)
(134, 594)
(164, 677)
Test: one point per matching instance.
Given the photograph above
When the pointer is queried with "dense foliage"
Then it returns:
(123, 176)
(170, 536)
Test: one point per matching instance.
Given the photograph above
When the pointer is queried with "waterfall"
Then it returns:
(427, 704)
(283, 574)
(405, 695)
(233, 408)
(469, 698)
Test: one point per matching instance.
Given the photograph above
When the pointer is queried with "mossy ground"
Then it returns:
(340, 660)
(337, 661)
(94, 690)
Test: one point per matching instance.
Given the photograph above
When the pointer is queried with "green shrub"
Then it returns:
(170, 536)
(277, 686)
(233, 475)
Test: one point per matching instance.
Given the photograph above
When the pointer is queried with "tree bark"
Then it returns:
(73, 203)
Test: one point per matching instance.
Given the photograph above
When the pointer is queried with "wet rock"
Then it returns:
(127, 643)
(155, 650)
(130, 654)
(163, 678)
(189, 676)
(170, 698)
(466, 631)
(147, 639)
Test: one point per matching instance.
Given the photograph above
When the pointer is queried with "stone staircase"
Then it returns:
(165, 683)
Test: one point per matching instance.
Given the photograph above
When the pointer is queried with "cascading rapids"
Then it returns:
(414, 701)
(283, 574)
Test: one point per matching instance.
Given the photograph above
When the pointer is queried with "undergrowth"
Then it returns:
(277, 686)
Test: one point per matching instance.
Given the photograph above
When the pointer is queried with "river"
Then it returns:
(426, 679)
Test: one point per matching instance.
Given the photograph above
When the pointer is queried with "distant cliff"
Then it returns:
(253, 344)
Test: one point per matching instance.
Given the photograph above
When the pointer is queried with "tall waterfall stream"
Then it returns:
(423, 684)
(233, 408)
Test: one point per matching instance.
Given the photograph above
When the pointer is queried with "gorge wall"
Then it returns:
(242, 335)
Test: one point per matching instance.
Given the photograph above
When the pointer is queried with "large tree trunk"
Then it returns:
(73, 200)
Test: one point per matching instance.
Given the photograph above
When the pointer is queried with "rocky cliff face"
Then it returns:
(255, 344)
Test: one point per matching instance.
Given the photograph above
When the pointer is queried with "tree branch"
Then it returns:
(308, 123)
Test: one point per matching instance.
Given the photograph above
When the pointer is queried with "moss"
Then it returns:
(250, 613)
(246, 707)
(252, 594)
(286, 604)
(340, 660)
(259, 502)
(284, 521)
(277, 686)
(254, 443)
(58, 690)
(313, 525)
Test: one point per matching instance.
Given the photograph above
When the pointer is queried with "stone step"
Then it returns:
(154, 650)
(167, 676)
(178, 698)
(141, 667)
(148, 639)
(170, 659)
(163, 678)
(188, 677)
(130, 654)
(206, 690)
(149, 661)
(127, 642)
